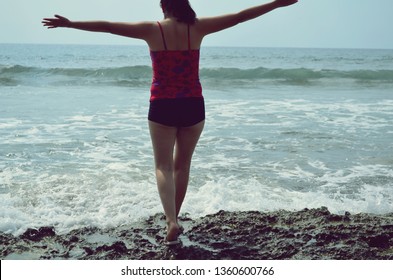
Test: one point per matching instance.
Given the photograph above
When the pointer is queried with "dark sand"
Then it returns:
(282, 235)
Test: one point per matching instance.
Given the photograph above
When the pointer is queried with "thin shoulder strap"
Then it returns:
(162, 34)
(189, 38)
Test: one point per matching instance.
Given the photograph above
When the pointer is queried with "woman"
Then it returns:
(177, 113)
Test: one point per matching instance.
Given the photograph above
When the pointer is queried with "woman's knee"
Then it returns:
(182, 168)
(165, 167)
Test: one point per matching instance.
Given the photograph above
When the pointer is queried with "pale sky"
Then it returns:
(310, 23)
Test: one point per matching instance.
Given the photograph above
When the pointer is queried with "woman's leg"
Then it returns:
(186, 141)
(163, 140)
(172, 172)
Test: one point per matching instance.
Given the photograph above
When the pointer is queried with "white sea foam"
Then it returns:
(82, 118)
(72, 201)
(105, 199)
(9, 123)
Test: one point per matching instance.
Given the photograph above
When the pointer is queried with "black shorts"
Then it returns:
(179, 112)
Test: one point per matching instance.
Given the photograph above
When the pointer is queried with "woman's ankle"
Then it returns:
(173, 231)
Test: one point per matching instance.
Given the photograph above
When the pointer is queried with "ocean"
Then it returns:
(285, 129)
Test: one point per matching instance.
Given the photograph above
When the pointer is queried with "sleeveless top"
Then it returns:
(175, 72)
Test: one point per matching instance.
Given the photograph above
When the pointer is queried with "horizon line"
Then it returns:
(204, 46)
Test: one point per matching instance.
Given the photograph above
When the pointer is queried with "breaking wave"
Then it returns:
(136, 76)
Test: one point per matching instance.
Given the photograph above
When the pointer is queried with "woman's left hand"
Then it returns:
(58, 21)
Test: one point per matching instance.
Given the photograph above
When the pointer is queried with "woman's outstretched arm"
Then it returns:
(215, 24)
(134, 30)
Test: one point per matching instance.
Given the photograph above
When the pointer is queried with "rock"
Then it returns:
(380, 241)
(282, 235)
(38, 235)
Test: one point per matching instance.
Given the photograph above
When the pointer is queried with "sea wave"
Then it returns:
(141, 75)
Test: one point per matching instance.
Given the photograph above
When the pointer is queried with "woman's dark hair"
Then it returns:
(180, 9)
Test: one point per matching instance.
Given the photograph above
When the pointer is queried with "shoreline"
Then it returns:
(309, 234)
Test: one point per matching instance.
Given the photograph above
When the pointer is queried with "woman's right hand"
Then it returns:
(58, 21)
(284, 3)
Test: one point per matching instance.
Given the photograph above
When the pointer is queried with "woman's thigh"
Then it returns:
(163, 140)
(186, 140)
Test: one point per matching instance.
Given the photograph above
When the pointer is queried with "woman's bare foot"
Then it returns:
(173, 231)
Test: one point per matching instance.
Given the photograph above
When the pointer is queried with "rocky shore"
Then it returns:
(282, 235)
